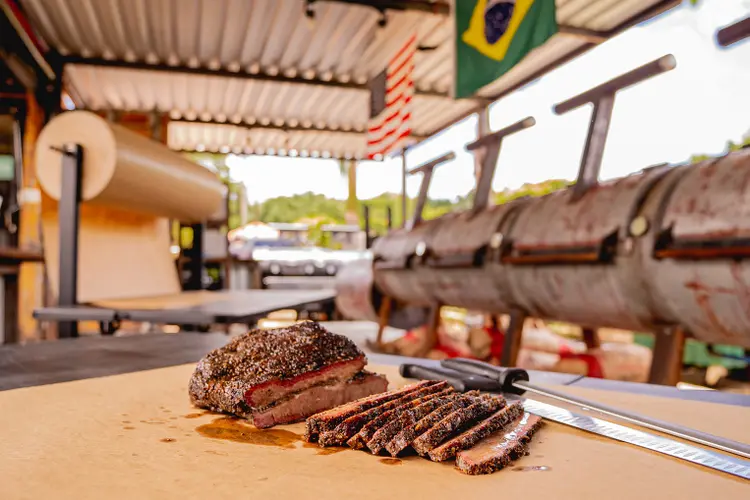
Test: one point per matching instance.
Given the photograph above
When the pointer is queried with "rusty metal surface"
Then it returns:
(467, 232)
(709, 298)
(553, 221)
(711, 201)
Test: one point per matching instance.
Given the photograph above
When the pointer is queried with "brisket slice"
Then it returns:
(262, 367)
(296, 407)
(455, 423)
(404, 438)
(469, 438)
(498, 450)
(328, 420)
(406, 418)
(366, 433)
(353, 424)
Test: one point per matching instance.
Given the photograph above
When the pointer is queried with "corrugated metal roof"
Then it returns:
(343, 44)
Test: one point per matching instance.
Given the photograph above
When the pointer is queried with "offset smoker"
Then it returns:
(667, 247)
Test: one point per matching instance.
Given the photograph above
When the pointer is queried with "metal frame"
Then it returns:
(603, 98)
(489, 146)
(427, 169)
(733, 33)
(69, 220)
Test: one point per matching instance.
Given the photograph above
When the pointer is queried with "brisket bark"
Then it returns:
(328, 420)
(456, 422)
(404, 438)
(498, 450)
(360, 439)
(263, 368)
(406, 418)
(469, 438)
(349, 427)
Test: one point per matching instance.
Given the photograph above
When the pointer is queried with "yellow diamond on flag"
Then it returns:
(493, 25)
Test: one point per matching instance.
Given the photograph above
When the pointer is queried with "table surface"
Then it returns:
(89, 357)
(236, 306)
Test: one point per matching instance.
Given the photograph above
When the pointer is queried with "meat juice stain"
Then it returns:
(391, 461)
(167, 440)
(232, 429)
(323, 451)
(531, 468)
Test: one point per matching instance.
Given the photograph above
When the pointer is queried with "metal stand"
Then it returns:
(489, 145)
(69, 221)
(427, 169)
(194, 258)
(603, 99)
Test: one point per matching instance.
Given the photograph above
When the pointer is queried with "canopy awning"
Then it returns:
(285, 77)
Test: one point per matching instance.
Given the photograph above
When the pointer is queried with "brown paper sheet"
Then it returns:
(130, 186)
(134, 436)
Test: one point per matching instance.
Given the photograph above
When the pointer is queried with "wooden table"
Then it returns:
(136, 436)
(229, 306)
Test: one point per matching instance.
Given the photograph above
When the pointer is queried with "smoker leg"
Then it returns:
(591, 338)
(513, 339)
(431, 335)
(666, 365)
(383, 316)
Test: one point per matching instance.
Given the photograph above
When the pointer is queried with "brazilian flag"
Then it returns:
(492, 36)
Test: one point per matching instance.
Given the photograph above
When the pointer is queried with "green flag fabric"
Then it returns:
(492, 36)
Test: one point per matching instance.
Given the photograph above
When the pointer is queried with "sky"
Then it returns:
(694, 109)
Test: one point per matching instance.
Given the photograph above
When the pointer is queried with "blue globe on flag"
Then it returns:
(497, 16)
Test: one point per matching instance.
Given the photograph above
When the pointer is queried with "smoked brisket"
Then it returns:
(456, 422)
(352, 425)
(263, 369)
(406, 436)
(499, 449)
(472, 436)
(360, 439)
(328, 420)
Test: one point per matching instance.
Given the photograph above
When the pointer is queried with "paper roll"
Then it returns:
(127, 171)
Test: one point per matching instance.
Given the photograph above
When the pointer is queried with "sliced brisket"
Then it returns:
(265, 368)
(406, 418)
(297, 406)
(499, 449)
(361, 439)
(328, 420)
(352, 425)
(456, 422)
(404, 438)
(470, 437)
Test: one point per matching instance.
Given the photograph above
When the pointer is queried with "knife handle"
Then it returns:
(462, 382)
(506, 377)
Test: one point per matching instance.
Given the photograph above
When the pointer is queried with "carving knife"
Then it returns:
(465, 375)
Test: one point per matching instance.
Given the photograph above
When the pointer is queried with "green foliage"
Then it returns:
(731, 146)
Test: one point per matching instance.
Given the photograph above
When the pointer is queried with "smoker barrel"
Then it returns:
(665, 246)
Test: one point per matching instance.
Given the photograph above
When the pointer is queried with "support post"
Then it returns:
(384, 315)
(404, 216)
(487, 148)
(591, 338)
(512, 344)
(666, 364)
(603, 99)
(69, 221)
(366, 216)
(194, 264)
